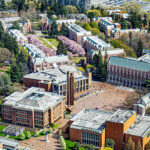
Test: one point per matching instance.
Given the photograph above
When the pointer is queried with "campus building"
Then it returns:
(109, 52)
(127, 72)
(66, 80)
(33, 108)
(142, 104)
(92, 126)
(77, 33)
(93, 42)
(20, 37)
(106, 26)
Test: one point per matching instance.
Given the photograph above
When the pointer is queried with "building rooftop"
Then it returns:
(146, 51)
(90, 119)
(11, 19)
(33, 99)
(66, 21)
(145, 100)
(145, 58)
(121, 116)
(56, 75)
(141, 127)
(34, 51)
(99, 43)
(51, 59)
(129, 63)
(79, 30)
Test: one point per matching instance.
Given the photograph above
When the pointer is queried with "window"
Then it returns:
(90, 138)
(148, 135)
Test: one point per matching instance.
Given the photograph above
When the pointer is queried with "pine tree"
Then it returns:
(145, 20)
(95, 60)
(63, 30)
(130, 145)
(16, 25)
(61, 48)
(54, 29)
(139, 49)
(100, 68)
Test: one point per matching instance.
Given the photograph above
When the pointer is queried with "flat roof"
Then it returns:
(91, 120)
(121, 116)
(56, 75)
(141, 127)
(33, 99)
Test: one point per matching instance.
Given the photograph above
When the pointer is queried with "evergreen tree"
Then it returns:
(50, 13)
(61, 48)
(91, 16)
(100, 68)
(2, 5)
(138, 146)
(130, 145)
(109, 143)
(16, 25)
(130, 37)
(63, 30)
(95, 60)
(123, 23)
(54, 29)
(139, 49)
(145, 20)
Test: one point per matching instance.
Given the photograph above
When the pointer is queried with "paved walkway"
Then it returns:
(39, 143)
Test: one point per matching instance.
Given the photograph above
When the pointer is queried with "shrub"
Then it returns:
(44, 132)
(36, 133)
(22, 136)
(109, 143)
(28, 135)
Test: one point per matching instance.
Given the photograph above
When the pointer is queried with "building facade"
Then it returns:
(33, 108)
(66, 80)
(77, 33)
(91, 126)
(127, 72)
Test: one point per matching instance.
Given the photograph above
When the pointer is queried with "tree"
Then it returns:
(23, 55)
(60, 133)
(63, 30)
(95, 60)
(109, 143)
(54, 29)
(50, 130)
(36, 133)
(63, 143)
(16, 25)
(94, 25)
(91, 15)
(147, 147)
(5, 55)
(130, 145)
(19, 4)
(70, 9)
(123, 23)
(95, 31)
(90, 147)
(15, 73)
(50, 13)
(22, 136)
(28, 135)
(145, 20)
(138, 146)
(77, 146)
(139, 49)
(44, 132)
(2, 5)
(100, 65)
(61, 48)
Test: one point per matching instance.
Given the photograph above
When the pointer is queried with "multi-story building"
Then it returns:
(93, 42)
(142, 104)
(44, 63)
(20, 37)
(127, 72)
(79, 17)
(66, 80)
(33, 108)
(117, 33)
(91, 126)
(106, 26)
(77, 33)
(109, 52)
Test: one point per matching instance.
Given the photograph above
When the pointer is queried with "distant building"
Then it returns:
(127, 72)
(33, 108)
(145, 51)
(93, 42)
(44, 63)
(106, 26)
(117, 33)
(66, 80)
(76, 33)
(109, 52)
(141, 106)
(26, 28)
(79, 17)
(19, 36)
(91, 126)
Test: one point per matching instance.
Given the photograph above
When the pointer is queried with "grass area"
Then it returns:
(45, 43)
(77, 59)
(54, 42)
(70, 145)
(1, 129)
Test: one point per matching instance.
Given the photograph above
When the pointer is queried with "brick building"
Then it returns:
(93, 42)
(66, 80)
(33, 108)
(91, 126)
(109, 52)
(127, 72)
(77, 33)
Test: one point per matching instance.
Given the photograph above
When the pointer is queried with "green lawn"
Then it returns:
(45, 43)
(54, 42)
(70, 145)
(1, 129)
(77, 59)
